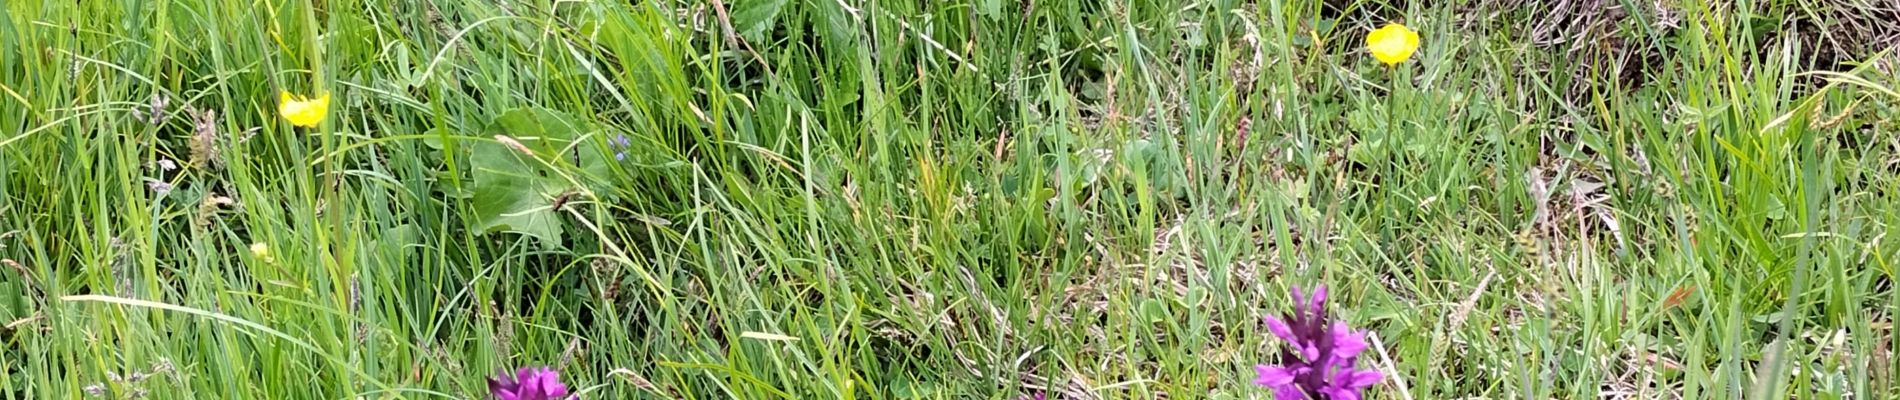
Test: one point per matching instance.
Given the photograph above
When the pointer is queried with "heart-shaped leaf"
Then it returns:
(753, 17)
(515, 191)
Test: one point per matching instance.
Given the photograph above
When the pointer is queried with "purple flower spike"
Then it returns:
(1318, 355)
(528, 384)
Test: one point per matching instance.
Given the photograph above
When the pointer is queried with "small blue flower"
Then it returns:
(620, 143)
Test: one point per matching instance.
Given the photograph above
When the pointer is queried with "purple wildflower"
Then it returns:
(1317, 359)
(528, 384)
(620, 143)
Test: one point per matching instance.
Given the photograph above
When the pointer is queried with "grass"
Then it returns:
(883, 200)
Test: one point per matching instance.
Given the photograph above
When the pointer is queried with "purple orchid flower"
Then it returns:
(528, 384)
(1317, 360)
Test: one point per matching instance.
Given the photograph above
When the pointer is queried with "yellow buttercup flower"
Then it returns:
(301, 111)
(1392, 44)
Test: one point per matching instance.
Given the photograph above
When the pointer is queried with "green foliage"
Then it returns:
(515, 192)
(893, 200)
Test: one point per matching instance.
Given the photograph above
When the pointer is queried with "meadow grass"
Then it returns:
(765, 199)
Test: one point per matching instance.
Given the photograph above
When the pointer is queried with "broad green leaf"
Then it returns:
(989, 8)
(511, 195)
(551, 134)
(437, 135)
(515, 192)
(399, 238)
(753, 17)
(541, 129)
(1154, 310)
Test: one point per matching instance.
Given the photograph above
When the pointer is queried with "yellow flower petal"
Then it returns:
(303, 111)
(1392, 44)
(261, 251)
